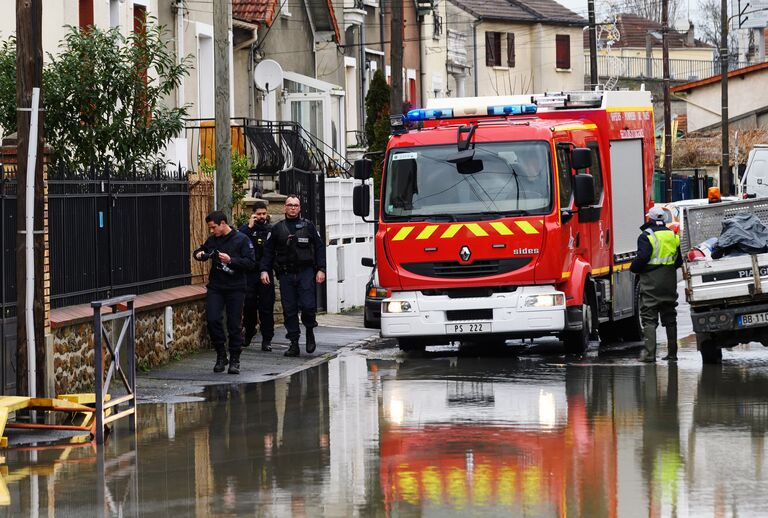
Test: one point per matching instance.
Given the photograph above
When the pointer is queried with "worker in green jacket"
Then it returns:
(658, 258)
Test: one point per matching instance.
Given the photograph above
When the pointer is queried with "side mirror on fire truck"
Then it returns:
(583, 190)
(581, 158)
(361, 200)
(363, 169)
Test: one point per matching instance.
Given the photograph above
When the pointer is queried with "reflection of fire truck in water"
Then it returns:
(507, 217)
(517, 449)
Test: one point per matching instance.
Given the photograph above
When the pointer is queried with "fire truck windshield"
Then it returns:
(508, 178)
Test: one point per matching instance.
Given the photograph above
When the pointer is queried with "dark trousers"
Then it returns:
(260, 308)
(297, 291)
(216, 303)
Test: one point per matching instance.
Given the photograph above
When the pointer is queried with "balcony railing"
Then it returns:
(625, 67)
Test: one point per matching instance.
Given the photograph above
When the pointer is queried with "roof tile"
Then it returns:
(254, 11)
(532, 11)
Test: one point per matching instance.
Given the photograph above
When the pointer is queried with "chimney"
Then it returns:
(690, 41)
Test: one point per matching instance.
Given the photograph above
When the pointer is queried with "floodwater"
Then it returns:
(376, 433)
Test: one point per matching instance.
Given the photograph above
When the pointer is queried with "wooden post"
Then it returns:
(396, 58)
(221, 25)
(29, 70)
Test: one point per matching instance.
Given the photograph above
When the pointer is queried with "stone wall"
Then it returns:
(73, 344)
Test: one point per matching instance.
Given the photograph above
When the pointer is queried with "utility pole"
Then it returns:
(222, 17)
(593, 75)
(29, 70)
(396, 58)
(667, 107)
(725, 176)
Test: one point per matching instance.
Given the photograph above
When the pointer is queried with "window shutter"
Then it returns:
(510, 49)
(490, 47)
(563, 51)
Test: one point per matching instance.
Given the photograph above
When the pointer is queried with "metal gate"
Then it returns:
(310, 188)
(8, 278)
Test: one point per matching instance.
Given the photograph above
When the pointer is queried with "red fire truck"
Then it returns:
(510, 217)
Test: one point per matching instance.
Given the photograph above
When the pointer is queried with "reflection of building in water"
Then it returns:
(354, 431)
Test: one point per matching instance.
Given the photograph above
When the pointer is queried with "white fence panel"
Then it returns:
(349, 239)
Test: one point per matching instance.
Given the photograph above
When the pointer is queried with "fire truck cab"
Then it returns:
(513, 217)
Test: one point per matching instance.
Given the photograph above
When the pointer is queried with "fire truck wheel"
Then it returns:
(711, 353)
(576, 342)
(410, 345)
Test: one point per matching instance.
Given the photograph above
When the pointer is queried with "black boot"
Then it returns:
(247, 337)
(266, 345)
(234, 362)
(221, 361)
(293, 349)
(311, 340)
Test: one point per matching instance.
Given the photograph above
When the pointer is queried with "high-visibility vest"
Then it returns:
(664, 244)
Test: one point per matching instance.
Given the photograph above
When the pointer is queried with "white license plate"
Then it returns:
(752, 319)
(474, 327)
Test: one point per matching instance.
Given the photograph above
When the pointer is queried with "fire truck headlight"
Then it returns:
(546, 300)
(396, 306)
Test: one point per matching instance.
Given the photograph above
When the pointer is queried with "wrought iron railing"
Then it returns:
(272, 146)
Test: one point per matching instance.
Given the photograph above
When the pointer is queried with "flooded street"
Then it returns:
(379, 433)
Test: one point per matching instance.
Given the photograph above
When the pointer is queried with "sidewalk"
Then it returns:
(180, 380)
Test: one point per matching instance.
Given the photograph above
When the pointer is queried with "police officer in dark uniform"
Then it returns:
(231, 253)
(260, 298)
(297, 253)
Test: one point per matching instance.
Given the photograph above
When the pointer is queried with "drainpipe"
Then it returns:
(180, 98)
(474, 50)
(422, 60)
(363, 82)
(381, 24)
(29, 249)
(314, 39)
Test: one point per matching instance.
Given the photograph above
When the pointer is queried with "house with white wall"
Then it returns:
(747, 99)
(189, 32)
(514, 46)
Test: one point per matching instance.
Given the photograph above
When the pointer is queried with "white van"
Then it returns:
(755, 180)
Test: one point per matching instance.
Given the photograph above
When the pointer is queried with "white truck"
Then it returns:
(728, 296)
(754, 183)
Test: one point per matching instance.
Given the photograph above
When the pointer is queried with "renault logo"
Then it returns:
(465, 253)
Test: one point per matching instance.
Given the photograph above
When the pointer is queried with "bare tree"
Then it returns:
(651, 9)
(708, 29)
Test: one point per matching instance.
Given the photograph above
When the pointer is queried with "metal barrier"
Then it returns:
(128, 378)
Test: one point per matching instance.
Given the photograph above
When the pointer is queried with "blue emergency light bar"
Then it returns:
(512, 109)
(422, 114)
(446, 113)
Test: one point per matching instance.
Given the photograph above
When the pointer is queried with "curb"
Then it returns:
(319, 360)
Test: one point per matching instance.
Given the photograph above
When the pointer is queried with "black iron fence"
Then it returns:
(8, 279)
(112, 234)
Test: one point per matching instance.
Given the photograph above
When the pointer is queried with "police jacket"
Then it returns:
(258, 234)
(293, 245)
(657, 247)
(231, 276)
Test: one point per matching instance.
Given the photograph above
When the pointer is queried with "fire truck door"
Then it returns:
(597, 222)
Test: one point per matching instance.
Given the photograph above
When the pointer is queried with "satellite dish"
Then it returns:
(268, 75)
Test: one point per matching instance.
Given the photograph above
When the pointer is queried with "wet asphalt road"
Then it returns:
(526, 431)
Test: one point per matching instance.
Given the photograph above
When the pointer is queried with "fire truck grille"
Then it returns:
(455, 269)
